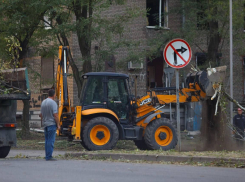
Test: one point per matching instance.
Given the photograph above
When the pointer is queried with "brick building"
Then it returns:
(149, 73)
(142, 29)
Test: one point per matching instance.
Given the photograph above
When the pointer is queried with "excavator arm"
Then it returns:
(200, 85)
(61, 89)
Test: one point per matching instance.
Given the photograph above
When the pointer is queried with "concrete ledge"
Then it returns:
(31, 112)
(130, 157)
(156, 158)
(35, 117)
(35, 123)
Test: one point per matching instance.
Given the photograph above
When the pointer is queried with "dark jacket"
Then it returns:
(239, 122)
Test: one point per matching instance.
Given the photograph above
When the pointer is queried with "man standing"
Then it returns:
(239, 124)
(50, 120)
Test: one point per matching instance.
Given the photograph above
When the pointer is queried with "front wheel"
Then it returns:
(4, 151)
(100, 133)
(160, 134)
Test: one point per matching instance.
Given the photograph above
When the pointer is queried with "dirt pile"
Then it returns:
(215, 135)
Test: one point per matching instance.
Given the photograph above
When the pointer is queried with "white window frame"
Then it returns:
(165, 26)
(47, 25)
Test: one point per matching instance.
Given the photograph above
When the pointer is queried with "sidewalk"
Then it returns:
(130, 157)
(32, 153)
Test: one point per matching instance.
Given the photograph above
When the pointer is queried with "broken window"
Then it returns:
(157, 12)
(200, 59)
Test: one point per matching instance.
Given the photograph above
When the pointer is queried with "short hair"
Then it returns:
(51, 93)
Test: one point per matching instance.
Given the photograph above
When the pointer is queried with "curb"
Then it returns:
(156, 158)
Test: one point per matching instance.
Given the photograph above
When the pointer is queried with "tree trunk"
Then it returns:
(26, 106)
(25, 119)
(214, 41)
(76, 74)
(84, 34)
(214, 132)
(84, 39)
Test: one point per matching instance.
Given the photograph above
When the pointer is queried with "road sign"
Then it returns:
(177, 53)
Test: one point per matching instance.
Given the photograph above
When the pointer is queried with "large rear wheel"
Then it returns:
(4, 151)
(160, 134)
(100, 133)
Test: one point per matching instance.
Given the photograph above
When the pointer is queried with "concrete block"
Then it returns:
(36, 112)
(35, 117)
(35, 124)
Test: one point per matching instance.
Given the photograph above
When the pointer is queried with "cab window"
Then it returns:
(95, 91)
(118, 96)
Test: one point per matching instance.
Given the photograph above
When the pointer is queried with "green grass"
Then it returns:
(36, 142)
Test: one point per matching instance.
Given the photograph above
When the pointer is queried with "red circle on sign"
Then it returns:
(170, 45)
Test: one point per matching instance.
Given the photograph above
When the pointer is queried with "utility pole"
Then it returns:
(231, 64)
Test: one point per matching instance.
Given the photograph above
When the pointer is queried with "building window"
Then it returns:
(47, 22)
(157, 13)
(200, 59)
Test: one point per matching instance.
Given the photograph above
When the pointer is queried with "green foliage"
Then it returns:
(9, 60)
(204, 25)
(11, 54)
(24, 21)
(106, 32)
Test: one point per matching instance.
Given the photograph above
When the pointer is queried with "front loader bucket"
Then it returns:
(215, 76)
(206, 79)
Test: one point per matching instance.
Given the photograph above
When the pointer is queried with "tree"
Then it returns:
(10, 48)
(206, 26)
(90, 27)
(26, 20)
(23, 20)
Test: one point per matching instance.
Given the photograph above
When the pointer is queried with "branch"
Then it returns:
(14, 87)
(59, 39)
(232, 100)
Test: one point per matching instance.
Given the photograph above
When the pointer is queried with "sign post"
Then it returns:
(178, 108)
(177, 54)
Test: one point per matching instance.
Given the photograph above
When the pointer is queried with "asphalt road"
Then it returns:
(29, 170)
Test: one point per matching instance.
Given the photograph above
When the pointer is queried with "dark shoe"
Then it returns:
(51, 159)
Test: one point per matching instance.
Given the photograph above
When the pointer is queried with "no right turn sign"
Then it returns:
(177, 53)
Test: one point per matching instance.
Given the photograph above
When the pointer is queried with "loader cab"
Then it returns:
(106, 90)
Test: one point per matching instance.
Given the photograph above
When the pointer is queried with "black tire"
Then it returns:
(84, 146)
(4, 151)
(105, 127)
(168, 139)
(141, 144)
(173, 122)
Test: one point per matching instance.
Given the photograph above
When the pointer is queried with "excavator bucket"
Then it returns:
(207, 79)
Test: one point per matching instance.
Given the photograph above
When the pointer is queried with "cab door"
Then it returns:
(118, 97)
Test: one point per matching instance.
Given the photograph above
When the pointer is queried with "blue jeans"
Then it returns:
(50, 133)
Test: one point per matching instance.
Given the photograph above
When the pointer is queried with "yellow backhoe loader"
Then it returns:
(108, 113)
